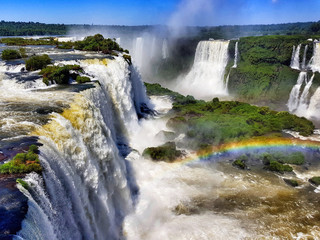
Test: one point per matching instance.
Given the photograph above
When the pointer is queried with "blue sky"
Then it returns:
(181, 12)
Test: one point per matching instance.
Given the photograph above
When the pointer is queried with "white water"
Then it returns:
(315, 62)
(138, 52)
(293, 102)
(164, 186)
(85, 192)
(206, 78)
(303, 64)
(295, 63)
(301, 103)
(236, 55)
(165, 51)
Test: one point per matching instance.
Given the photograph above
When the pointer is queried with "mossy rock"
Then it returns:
(291, 182)
(315, 181)
(167, 152)
(22, 183)
(275, 166)
(240, 162)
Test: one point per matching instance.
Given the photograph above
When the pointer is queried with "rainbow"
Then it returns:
(242, 147)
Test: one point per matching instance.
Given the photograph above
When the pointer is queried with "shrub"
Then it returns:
(278, 167)
(315, 181)
(127, 58)
(23, 162)
(60, 74)
(37, 62)
(81, 79)
(166, 152)
(22, 183)
(9, 54)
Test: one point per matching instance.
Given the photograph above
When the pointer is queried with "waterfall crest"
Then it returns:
(295, 62)
(206, 78)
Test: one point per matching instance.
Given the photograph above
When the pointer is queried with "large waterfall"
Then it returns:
(206, 78)
(86, 189)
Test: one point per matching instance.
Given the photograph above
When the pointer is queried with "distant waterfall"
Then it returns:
(138, 52)
(295, 61)
(303, 64)
(206, 78)
(236, 53)
(293, 102)
(118, 40)
(165, 51)
(315, 62)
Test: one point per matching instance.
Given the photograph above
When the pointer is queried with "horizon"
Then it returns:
(203, 13)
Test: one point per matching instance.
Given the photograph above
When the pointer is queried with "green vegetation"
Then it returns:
(296, 158)
(166, 152)
(22, 183)
(82, 79)
(217, 122)
(127, 58)
(315, 181)
(9, 54)
(240, 162)
(37, 62)
(278, 167)
(263, 73)
(155, 89)
(291, 182)
(98, 43)
(62, 74)
(28, 41)
(31, 28)
(23, 162)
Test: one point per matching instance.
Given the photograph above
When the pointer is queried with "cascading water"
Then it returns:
(303, 104)
(165, 51)
(138, 52)
(206, 78)
(315, 62)
(86, 189)
(236, 53)
(293, 102)
(303, 64)
(295, 62)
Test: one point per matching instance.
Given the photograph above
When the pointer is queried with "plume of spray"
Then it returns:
(189, 13)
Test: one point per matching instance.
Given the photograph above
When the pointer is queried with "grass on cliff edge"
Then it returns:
(216, 122)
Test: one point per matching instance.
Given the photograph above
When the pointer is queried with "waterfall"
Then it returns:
(86, 189)
(138, 52)
(303, 101)
(295, 63)
(315, 62)
(314, 106)
(303, 65)
(236, 53)
(293, 102)
(118, 40)
(206, 78)
(165, 51)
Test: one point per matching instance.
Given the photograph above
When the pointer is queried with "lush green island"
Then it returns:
(23, 162)
(11, 54)
(217, 122)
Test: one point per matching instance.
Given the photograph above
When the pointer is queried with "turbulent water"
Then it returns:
(206, 78)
